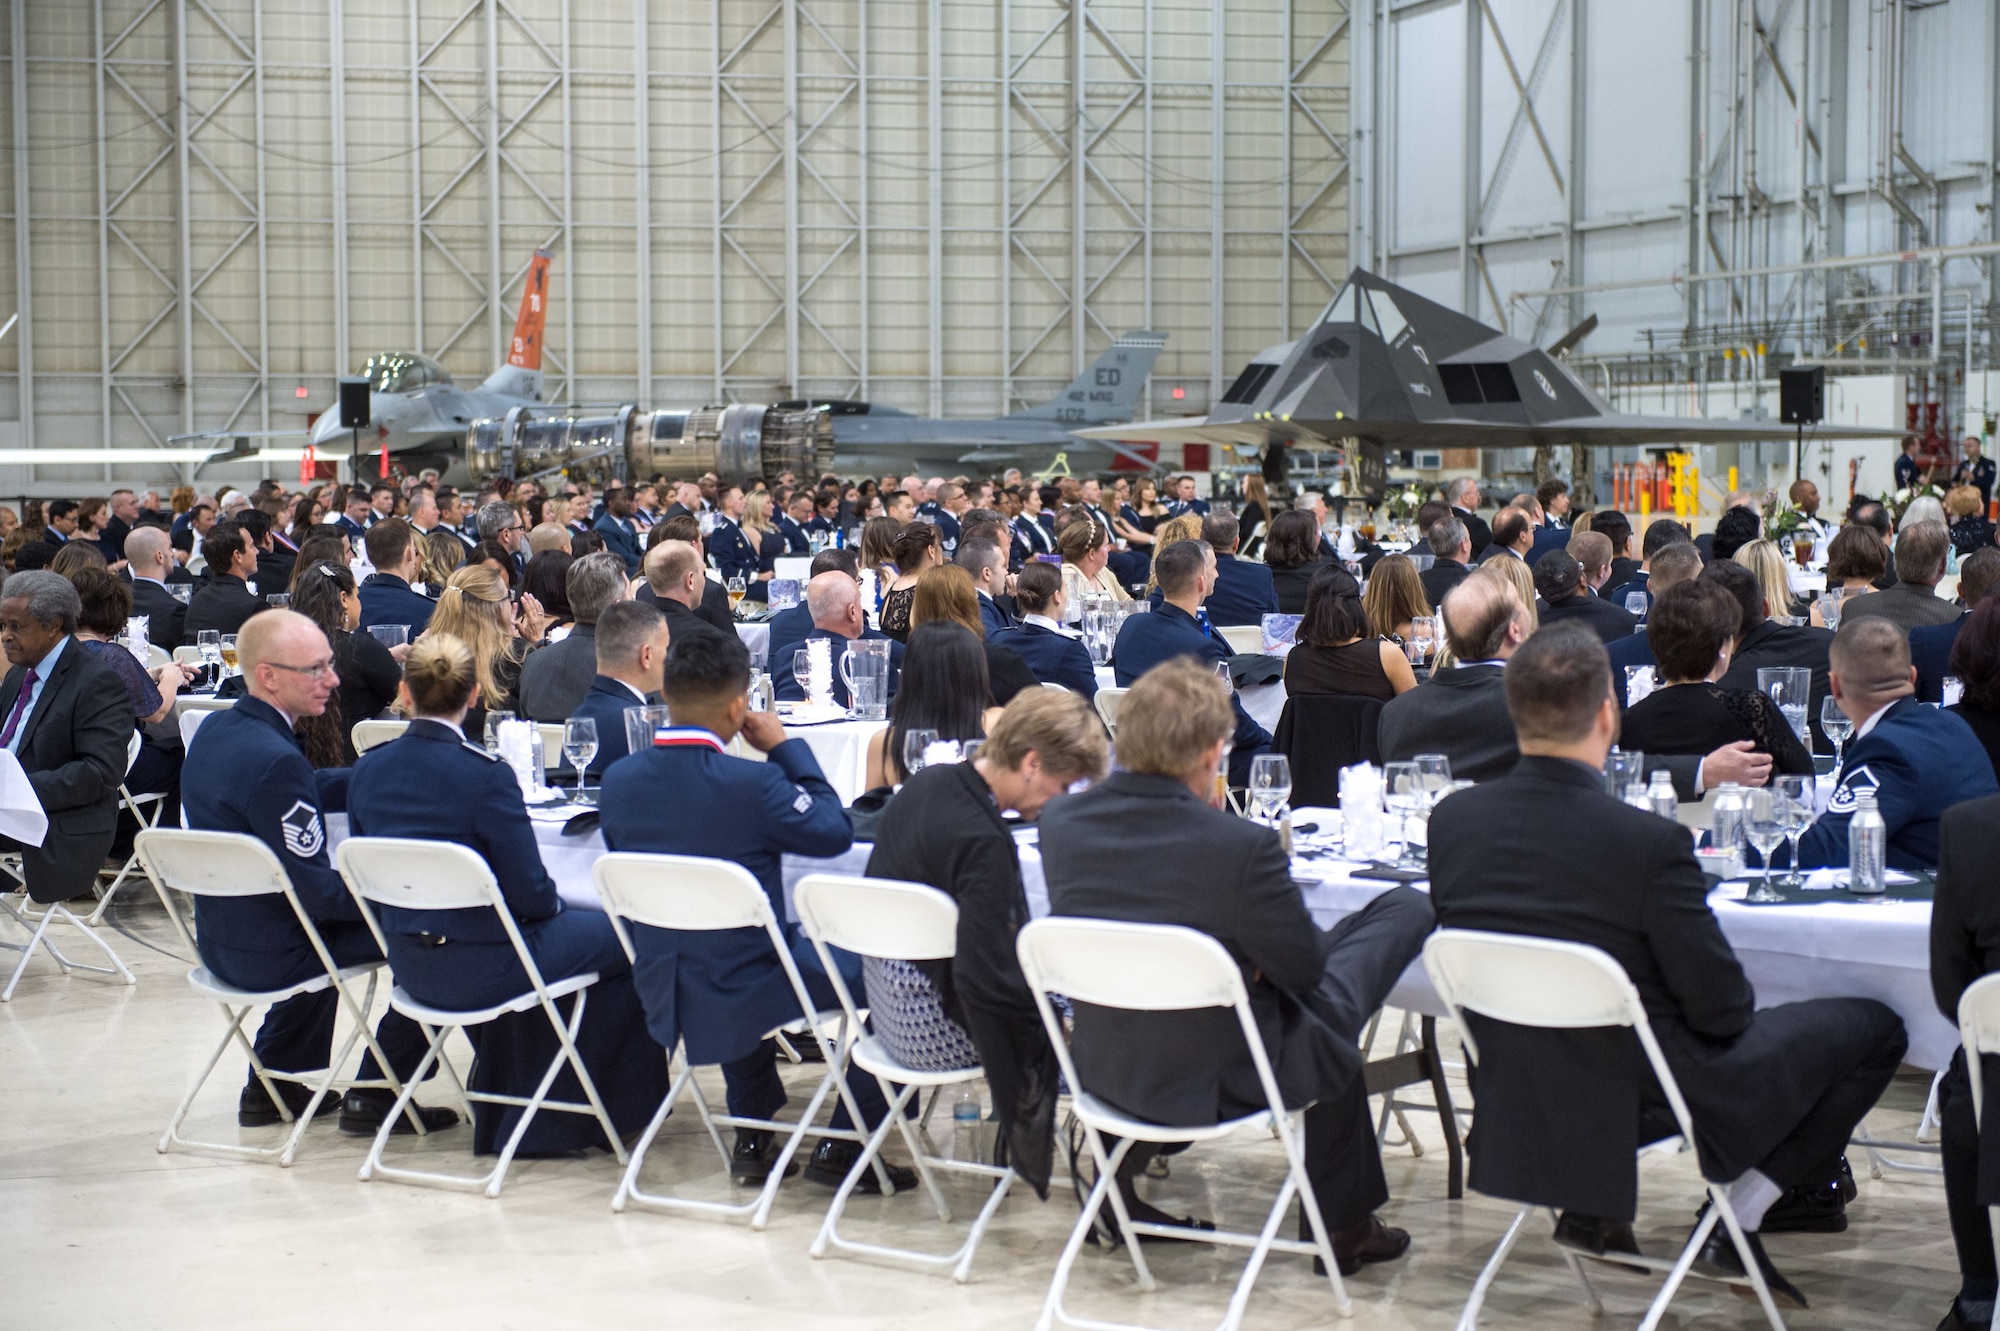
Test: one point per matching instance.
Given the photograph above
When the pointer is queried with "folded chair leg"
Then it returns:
(862, 1164)
(1052, 1305)
(168, 1137)
(1117, 1199)
(638, 1156)
(584, 1079)
(1748, 1258)
(37, 939)
(1682, 1265)
(374, 1160)
(1595, 1304)
(1469, 1319)
(1240, 1298)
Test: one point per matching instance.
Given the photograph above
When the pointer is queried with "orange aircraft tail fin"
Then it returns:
(525, 352)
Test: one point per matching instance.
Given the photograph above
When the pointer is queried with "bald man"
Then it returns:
(676, 575)
(246, 773)
(834, 600)
(149, 552)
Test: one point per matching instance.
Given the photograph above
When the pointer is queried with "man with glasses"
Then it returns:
(245, 772)
(500, 524)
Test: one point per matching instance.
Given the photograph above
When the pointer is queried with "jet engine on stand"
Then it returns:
(740, 443)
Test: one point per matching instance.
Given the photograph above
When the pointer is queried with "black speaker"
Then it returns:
(1802, 394)
(354, 404)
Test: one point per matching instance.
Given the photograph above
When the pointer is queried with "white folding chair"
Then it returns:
(156, 656)
(552, 745)
(1059, 688)
(1162, 968)
(37, 926)
(1107, 703)
(442, 875)
(368, 734)
(187, 656)
(693, 894)
(894, 921)
(136, 804)
(230, 864)
(1242, 638)
(1979, 1032)
(1554, 985)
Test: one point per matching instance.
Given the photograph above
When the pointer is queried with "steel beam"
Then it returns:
(24, 275)
(642, 214)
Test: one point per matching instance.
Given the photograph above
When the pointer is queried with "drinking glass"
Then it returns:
(1635, 604)
(1802, 548)
(1270, 783)
(390, 635)
(1829, 606)
(1837, 724)
(180, 591)
(1764, 828)
(914, 744)
(493, 720)
(1639, 684)
(802, 671)
(208, 642)
(737, 589)
(228, 648)
(1621, 768)
(1403, 794)
(579, 746)
(1424, 630)
(1435, 768)
(1797, 792)
(1790, 687)
(278, 600)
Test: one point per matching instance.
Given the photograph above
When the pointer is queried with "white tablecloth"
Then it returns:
(21, 814)
(842, 750)
(757, 637)
(1264, 702)
(1789, 953)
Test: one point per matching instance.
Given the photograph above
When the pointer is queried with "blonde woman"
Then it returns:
(1764, 559)
(1186, 527)
(1395, 596)
(476, 609)
(765, 539)
(444, 555)
(1515, 573)
(1085, 547)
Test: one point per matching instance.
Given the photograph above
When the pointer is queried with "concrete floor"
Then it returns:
(101, 1231)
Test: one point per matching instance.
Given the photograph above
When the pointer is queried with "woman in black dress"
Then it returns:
(1693, 631)
(369, 672)
(1291, 551)
(1336, 652)
(919, 546)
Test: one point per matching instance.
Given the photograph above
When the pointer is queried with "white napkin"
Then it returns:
(819, 672)
(21, 815)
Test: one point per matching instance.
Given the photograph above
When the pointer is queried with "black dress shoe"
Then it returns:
(1597, 1236)
(1718, 1260)
(834, 1159)
(756, 1151)
(1955, 1319)
(1812, 1208)
(1363, 1244)
(254, 1108)
(362, 1112)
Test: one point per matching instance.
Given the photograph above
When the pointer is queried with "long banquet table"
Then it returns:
(1839, 948)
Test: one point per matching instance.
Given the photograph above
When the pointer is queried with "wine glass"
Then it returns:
(802, 672)
(915, 742)
(1837, 724)
(1435, 769)
(493, 720)
(1764, 828)
(579, 746)
(1635, 604)
(737, 589)
(1423, 629)
(1403, 794)
(208, 642)
(1829, 606)
(228, 645)
(1270, 783)
(1797, 792)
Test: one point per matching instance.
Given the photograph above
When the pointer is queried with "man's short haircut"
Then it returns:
(593, 583)
(1977, 574)
(381, 487)
(1557, 574)
(1671, 564)
(680, 527)
(1733, 530)
(947, 492)
(388, 541)
(668, 564)
(1661, 533)
(1870, 514)
(1220, 530)
(623, 627)
(1036, 585)
(356, 495)
(1556, 683)
(1508, 524)
(1171, 716)
(1463, 493)
(1050, 495)
(1869, 653)
(545, 537)
(148, 540)
(219, 547)
(1054, 723)
(1592, 550)
(1445, 536)
(61, 508)
(1742, 584)
(51, 597)
(704, 669)
(1306, 500)
(258, 524)
(495, 518)
(1477, 614)
(1549, 491)
(1799, 490)
(1920, 549)
(1430, 512)
(840, 560)
(1178, 567)
(975, 556)
(1688, 627)
(1614, 527)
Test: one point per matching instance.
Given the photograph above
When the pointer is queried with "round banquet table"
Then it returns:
(1792, 952)
(1264, 702)
(841, 747)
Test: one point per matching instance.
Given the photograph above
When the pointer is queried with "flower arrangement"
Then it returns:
(1900, 500)
(1404, 503)
(1780, 519)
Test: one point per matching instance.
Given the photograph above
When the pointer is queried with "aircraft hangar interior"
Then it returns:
(1659, 258)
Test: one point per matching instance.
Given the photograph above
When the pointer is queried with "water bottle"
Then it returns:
(1867, 847)
(1660, 795)
(1201, 616)
(1725, 825)
(965, 1123)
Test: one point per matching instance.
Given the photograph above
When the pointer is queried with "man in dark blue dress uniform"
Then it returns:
(245, 772)
(632, 643)
(1186, 572)
(721, 991)
(387, 596)
(734, 554)
(353, 520)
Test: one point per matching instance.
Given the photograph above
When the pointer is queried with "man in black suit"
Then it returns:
(631, 645)
(68, 719)
(151, 559)
(713, 606)
(1965, 921)
(1660, 533)
(1513, 536)
(1616, 529)
(1774, 1094)
(225, 600)
(1451, 553)
(124, 514)
(1462, 712)
(1313, 989)
(1463, 496)
(1562, 578)
(1765, 642)
(1931, 644)
(1243, 593)
(674, 574)
(986, 562)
